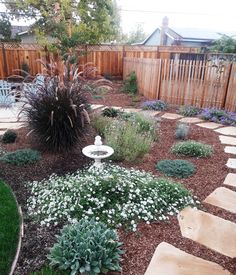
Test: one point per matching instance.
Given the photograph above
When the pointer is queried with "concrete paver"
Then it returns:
(230, 180)
(223, 198)
(215, 233)
(230, 131)
(169, 260)
(227, 140)
(171, 116)
(209, 125)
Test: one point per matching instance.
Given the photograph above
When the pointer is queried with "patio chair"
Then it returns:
(6, 95)
(35, 85)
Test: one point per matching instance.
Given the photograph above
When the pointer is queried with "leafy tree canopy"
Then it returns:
(136, 35)
(5, 29)
(225, 44)
(70, 22)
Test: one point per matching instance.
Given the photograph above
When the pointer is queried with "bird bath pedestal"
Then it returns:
(97, 152)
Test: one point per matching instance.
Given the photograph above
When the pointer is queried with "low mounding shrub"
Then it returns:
(127, 140)
(9, 136)
(110, 112)
(131, 84)
(219, 116)
(192, 148)
(101, 123)
(21, 157)
(157, 105)
(181, 131)
(145, 124)
(176, 168)
(87, 247)
(115, 195)
(189, 111)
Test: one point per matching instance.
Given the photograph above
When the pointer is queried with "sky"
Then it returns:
(209, 14)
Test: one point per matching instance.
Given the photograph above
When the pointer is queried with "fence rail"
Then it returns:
(199, 83)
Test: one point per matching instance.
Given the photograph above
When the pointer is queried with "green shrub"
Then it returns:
(101, 123)
(189, 111)
(128, 142)
(87, 247)
(145, 124)
(192, 148)
(130, 84)
(176, 168)
(114, 195)
(181, 131)
(110, 112)
(9, 136)
(21, 157)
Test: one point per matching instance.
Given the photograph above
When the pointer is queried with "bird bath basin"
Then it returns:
(97, 152)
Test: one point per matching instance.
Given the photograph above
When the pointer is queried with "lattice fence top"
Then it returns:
(21, 46)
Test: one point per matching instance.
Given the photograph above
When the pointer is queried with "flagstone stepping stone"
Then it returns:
(230, 131)
(230, 149)
(209, 230)
(227, 140)
(230, 179)
(96, 106)
(113, 107)
(171, 116)
(191, 120)
(223, 198)
(209, 125)
(150, 113)
(231, 163)
(5, 125)
(131, 110)
(169, 260)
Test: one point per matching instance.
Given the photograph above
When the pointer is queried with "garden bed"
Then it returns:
(139, 246)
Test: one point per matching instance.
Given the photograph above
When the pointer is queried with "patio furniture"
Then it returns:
(6, 94)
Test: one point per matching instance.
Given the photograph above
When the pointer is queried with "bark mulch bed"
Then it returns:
(141, 245)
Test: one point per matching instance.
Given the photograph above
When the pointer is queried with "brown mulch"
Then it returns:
(141, 245)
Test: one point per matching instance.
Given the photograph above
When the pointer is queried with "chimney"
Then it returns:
(164, 29)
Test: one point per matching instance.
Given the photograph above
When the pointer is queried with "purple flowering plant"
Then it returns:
(156, 105)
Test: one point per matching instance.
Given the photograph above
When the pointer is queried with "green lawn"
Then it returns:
(9, 228)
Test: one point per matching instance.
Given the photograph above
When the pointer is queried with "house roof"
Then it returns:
(191, 34)
(18, 29)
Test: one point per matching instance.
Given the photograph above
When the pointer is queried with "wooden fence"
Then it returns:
(107, 58)
(199, 83)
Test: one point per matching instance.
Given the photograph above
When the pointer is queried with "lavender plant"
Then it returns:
(157, 105)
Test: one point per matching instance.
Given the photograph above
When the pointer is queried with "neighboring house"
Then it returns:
(189, 37)
(30, 37)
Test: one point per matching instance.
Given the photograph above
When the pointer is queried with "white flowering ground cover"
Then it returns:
(114, 195)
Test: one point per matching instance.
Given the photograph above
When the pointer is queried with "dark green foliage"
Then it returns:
(25, 69)
(9, 228)
(181, 131)
(9, 136)
(21, 157)
(56, 114)
(225, 44)
(110, 112)
(192, 148)
(86, 247)
(5, 29)
(176, 168)
(46, 270)
(189, 111)
(130, 84)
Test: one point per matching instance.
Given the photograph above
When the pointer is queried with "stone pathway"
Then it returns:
(169, 260)
(224, 198)
(204, 228)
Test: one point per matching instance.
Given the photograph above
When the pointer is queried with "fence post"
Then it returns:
(227, 85)
(5, 68)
